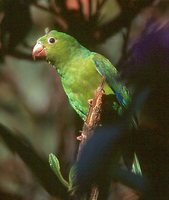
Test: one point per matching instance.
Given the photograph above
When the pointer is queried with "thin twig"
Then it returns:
(125, 43)
(80, 9)
(20, 55)
(41, 7)
(90, 8)
(93, 116)
(91, 122)
(54, 8)
(94, 194)
(101, 4)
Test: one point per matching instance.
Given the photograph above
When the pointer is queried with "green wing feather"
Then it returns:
(106, 69)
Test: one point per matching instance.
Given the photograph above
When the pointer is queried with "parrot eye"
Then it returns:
(51, 40)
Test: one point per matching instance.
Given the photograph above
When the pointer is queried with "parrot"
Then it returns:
(81, 71)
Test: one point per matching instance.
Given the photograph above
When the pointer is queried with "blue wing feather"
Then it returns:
(106, 69)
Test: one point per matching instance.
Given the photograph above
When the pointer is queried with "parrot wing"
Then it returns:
(106, 69)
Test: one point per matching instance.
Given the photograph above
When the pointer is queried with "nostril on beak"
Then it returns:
(38, 50)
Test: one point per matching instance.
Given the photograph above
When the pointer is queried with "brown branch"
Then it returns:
(54, 8)
(101, 4)
(91, 122)
(90, 9)
(41, 7)
(94, 193)
(20, 55)
(80, 8)
(93, 116)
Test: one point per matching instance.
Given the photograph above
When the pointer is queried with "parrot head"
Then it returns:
(55, 46)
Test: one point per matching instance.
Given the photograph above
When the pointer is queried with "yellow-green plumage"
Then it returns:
(80, 82)
(81, 71)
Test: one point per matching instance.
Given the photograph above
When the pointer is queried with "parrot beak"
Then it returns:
(38, 51)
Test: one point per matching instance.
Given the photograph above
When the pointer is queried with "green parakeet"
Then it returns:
(81, 70)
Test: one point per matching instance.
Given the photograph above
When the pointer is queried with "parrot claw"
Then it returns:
(90, 101)
(81, 137)
(48, 62)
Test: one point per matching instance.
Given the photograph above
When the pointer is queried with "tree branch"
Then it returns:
(91, 122)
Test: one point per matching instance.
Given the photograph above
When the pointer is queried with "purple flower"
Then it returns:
(147, 67)
(148, 59)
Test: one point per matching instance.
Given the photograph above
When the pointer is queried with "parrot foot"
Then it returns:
(90, 101)
(81, 137)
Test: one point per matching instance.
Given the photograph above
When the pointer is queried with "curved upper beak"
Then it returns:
(38, 51)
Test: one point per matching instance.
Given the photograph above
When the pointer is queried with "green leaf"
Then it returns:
(54, 164)
(72, 175)
(136, 166)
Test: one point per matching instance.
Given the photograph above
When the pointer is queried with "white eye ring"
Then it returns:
(51, 40)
